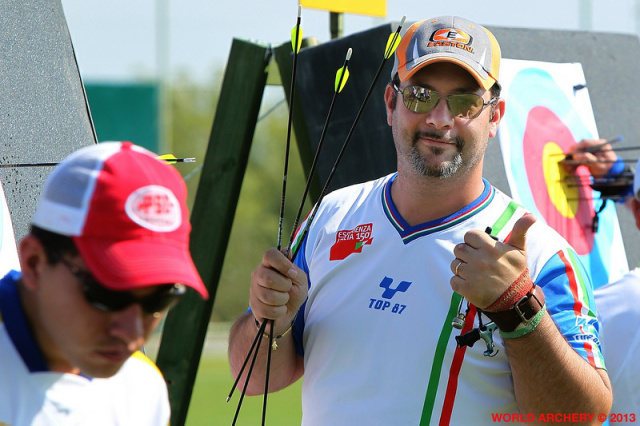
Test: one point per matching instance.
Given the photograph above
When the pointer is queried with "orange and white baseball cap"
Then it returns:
(449, 39)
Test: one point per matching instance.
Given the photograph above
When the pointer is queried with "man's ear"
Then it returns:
(498, 113)
(390, 99)
(32, 259)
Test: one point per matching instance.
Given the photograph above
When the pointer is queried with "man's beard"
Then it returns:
(443, 170)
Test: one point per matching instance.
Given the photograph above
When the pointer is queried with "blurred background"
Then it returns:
(152, 70)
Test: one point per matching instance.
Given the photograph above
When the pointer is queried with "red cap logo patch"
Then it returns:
(452, 35)
(351, 241)
(154, 207)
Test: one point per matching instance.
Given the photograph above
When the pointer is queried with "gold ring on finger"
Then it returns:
(458, 266)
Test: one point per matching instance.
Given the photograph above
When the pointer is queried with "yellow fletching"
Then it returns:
(169, 158)
(293, 38)
(395, 39)
(345, 71)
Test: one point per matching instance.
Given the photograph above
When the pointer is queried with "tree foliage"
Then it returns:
(255, 225)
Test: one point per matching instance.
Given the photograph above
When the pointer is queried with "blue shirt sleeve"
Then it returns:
(571, 304)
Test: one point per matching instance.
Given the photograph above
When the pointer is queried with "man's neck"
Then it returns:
(421, 199)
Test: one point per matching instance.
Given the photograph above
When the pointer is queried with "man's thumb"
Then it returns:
(518, 236)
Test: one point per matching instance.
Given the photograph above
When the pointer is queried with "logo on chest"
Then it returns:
(385, 304)
(351, 241)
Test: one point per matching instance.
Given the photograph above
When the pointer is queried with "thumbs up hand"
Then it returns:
(485, 268)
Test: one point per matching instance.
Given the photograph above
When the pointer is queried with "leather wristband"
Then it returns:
(522, 312)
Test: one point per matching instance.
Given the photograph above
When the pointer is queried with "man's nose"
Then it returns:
(440, 116)
(129, 326)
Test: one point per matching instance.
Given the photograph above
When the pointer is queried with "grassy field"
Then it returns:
(208, 405)
(213, 383)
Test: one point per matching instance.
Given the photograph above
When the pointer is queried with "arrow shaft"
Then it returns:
(347, 140)
(316, 156)
(292, 91)
(28, 165)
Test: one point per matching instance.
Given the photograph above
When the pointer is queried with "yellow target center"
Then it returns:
(563, 192)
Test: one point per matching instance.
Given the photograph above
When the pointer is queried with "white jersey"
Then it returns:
(30, 395)
(8, 250)
(376, 334)
(619, 314)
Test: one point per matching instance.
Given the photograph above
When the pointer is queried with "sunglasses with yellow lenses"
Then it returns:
(462, 105)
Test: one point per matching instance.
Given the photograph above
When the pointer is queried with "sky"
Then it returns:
(118, 40)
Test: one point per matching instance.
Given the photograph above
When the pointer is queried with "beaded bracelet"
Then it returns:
(274, 344)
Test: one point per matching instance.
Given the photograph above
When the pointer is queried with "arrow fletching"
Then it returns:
(296, 34)
(171, 159)
(294, 45)
(394, 40)
(342, 75)
(392, 45)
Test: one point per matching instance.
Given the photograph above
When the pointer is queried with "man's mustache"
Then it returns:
(439, 137)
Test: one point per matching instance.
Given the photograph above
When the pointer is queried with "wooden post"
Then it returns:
(212, 217)
(336, 24)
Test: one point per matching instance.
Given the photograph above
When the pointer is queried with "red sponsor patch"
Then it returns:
(350, 241)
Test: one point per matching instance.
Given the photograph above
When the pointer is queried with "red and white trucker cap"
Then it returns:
(126, 213)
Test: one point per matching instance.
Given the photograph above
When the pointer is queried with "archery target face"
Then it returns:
(566, 205)
(547, 111)
(543, 125)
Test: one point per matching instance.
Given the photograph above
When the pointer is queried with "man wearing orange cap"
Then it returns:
(106, 257)
(428, 296)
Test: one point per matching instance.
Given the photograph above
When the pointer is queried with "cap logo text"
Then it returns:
(451, 37)
(154, 207)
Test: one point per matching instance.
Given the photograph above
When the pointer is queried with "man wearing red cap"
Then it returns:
(428, 296)
(106, 257)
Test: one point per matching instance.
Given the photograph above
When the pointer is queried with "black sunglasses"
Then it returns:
(100, 297)
(462, 105)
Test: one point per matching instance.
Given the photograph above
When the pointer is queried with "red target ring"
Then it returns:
(564, 200)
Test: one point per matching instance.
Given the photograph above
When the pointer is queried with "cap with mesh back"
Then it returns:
(449, 39)
(126, 213)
